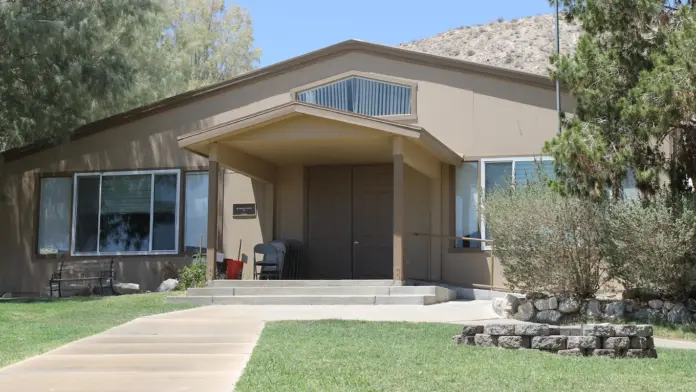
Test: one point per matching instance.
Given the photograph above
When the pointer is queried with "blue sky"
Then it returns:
(288, 28)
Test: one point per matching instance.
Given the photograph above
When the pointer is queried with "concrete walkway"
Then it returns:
(203, 349)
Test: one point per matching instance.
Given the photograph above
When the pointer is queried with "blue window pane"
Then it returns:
(498, 174)
(528, 171)
(360, 95)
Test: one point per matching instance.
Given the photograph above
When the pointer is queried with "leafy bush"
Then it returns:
(650, 246)
(546, 242)
(193, 275)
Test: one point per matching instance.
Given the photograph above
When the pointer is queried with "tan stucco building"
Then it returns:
(371, 156)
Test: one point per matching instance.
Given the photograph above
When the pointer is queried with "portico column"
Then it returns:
(398, 238)
(213, 181)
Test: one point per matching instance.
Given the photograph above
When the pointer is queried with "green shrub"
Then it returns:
(193, 275)
(546, 242)
(650, 246)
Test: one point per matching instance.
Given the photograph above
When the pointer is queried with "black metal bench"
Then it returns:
(82, 270)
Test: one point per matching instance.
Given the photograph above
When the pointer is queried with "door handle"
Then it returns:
(356, 242)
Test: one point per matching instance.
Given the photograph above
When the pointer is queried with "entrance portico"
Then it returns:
(352, 188)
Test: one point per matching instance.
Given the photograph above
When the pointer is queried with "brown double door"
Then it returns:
(349, 222)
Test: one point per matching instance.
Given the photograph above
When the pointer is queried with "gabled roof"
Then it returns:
(294, 108)
(278, 68)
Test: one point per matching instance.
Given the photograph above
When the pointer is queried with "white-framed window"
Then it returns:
(126, 212)
(196, 214)
(53, 235)
(498, 172)
(466, 224)
(361, 95)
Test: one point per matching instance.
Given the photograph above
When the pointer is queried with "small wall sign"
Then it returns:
(245, 210)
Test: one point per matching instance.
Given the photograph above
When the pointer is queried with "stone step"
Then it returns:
(318, 290)
(303, 283)
(308, 300)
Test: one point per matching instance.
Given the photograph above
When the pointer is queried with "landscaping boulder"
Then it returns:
(499, 329)
(525, 312)
(691, 304)
(624, 330)
(549, 316)
(471, 330)
(506, 307)
(648, 315)
(546, 304)
(644, 330)
(551, 343)
(640, 342)
(617, 343)
(126, 288)
(168, 285)
(594, 309)
(615, 310)
(531, 330)
(485, 340)
(513, 342)
(600, 330)
(679, 315)
(668, 305)
(569, 305)
(583, 342)
(655, 304)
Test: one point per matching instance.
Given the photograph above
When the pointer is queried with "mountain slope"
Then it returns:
(523, 44)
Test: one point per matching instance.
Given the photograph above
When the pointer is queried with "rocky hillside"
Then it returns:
(523, 44)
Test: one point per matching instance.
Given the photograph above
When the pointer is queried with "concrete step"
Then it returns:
(303, 283)
(308, 300)
(442, 293)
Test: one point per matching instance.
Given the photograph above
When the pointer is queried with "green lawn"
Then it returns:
(34, 327)
(361, 356)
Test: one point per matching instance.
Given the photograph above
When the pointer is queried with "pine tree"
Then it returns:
(631, 77)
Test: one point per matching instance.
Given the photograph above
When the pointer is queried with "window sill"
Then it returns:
(126, 254)
(468, 250)
(50, 256)
(400, 117)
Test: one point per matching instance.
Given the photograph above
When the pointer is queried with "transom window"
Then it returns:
(361, 95)
(126, 212)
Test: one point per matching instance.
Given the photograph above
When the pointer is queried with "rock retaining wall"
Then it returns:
(605, 340)
(557, 310)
